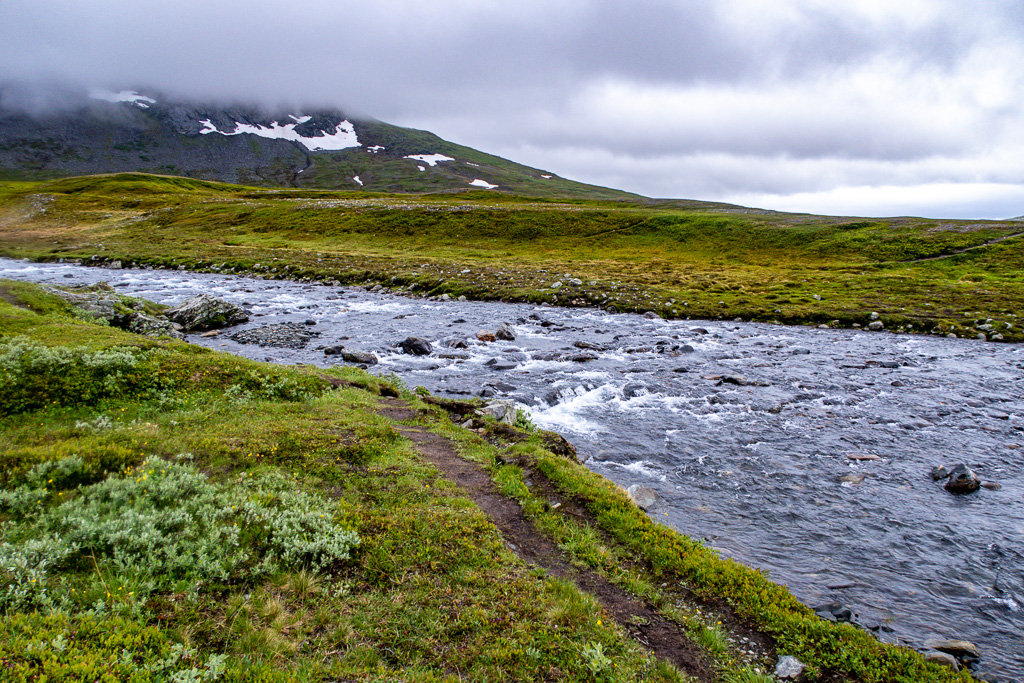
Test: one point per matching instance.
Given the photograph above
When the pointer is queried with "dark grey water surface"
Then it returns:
(755, 470)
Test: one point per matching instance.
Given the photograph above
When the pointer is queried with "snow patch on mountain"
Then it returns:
(429, 159)
(482, 183)
(356, 178)
(123, 96)
(343, 136)
(375, 148)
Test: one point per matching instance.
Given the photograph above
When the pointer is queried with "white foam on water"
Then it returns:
(429, 159)
(482, 183)
(641, 467)
(376, 306)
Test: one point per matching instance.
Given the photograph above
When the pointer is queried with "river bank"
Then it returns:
(716, 351)
(677, 259)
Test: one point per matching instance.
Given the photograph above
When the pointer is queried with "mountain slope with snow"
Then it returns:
(110, 132)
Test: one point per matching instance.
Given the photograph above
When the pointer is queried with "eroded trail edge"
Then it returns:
(644, 623)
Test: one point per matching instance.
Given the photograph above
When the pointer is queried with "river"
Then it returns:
(805, 452)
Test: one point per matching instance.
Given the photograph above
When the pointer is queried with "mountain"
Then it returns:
(109, 132)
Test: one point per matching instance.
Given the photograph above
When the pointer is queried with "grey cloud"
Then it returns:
(515, 75)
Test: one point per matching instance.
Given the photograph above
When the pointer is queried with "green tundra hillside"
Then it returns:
(678, 259)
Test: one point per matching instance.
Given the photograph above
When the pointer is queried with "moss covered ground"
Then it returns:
(172, 513)
(677, 258)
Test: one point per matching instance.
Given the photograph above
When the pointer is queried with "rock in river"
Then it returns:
(505, 332)
(415, 346)
(205, 312)
(359, 357)
(962, 480)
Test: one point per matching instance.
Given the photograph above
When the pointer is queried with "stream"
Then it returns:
(804, 452)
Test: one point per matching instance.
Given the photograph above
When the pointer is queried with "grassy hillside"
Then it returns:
(679, 259)
(171, 513)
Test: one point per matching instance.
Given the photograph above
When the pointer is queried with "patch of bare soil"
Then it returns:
(662, 636)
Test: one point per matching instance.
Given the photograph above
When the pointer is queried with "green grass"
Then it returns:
(679, 259)
(130, 589)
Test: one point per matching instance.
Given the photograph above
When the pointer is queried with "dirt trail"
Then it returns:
(663, 637)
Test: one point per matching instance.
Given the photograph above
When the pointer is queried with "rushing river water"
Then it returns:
(754, 434)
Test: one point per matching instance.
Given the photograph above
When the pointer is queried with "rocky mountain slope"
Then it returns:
(108, 132)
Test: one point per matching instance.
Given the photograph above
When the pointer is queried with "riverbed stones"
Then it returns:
(486, 336)
(335, 350)
(414, 346)
(876, 326)
(505, 332)
(645, 498)
(205, 312)
(789, 668)
(962, 479)
(280, 335)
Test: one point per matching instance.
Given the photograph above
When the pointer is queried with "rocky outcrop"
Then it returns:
(205, 312)
(101, 303)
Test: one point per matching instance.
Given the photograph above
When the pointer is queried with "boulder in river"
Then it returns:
(359, 357)
(335, 350)
(962, 480)
(205, 312)
(486, 336)
(415, 346)
(505, 332)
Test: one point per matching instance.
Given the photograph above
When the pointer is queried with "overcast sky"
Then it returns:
(863, 107)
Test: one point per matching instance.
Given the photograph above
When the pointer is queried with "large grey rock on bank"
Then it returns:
(205, 312)
(147, 325)
(789, 668)
(957, 648)
(502, 411)
(645, 498)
